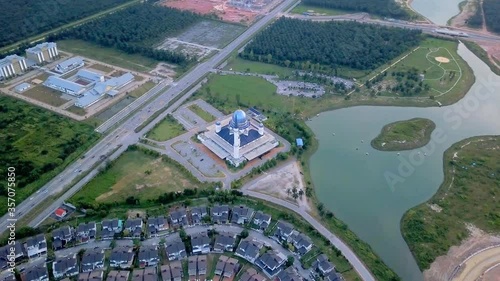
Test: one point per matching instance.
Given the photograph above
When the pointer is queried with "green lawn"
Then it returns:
(469, 194)
(241, 65)
(137, 174)
(39, 144)
(404, 135)
(304, 8)
(45, 95)
(167, 129)
(77, 110)
(202, 113)
(142, 89)
(447, 82)
(103, 68)
(108, 55)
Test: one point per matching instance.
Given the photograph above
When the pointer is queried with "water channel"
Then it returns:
(370, 190)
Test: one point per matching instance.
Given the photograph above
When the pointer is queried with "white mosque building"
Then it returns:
(238, 139)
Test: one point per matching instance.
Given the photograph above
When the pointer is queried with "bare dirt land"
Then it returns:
(281, 183)
(468, 10)
(493, 50)
(222, 8)
(446, 267)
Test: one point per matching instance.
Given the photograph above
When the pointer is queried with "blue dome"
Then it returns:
(239, 120)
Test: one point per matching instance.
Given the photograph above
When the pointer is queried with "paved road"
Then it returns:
(124, 135)
(339, 244)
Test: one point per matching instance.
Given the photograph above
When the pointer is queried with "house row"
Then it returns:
(285, 234)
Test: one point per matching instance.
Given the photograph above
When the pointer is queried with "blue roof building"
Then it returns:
(299, 142)
(64, 85)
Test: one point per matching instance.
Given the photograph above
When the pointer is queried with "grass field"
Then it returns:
(142, 89)
(202, 113)
(167, 129)
(447, 82)
(303, 8)
(136, 174)
(467, 195)
(76, 110)
(100, 67)
(38, 143)
(241, 65)
(108, 55)
(404, 135)
(45, 95)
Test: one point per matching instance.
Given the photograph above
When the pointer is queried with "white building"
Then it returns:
(42, 52)
(12, 65)
(237, 139)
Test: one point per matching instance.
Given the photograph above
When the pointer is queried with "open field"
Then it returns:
(215, 34)
(201, 113)
(468, 195)
(404, 135)
(108, 55)
(434, 69)
(136, 174)
(241, 65)
(39, 144)
(167, 129)
(304, 8)
(76, 110)
(45, 95)
(142, 89)
(100, 67)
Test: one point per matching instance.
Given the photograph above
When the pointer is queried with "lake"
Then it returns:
(438, 11)
(371, 192)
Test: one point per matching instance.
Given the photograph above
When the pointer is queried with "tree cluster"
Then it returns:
(408, 83)
(24, 18)
(297, 43)
(135, 30)
(491, 10)
(36, 142)
(385, 8)
(476, 20)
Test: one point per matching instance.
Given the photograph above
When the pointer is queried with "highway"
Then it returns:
(426, 28)
(123, 136)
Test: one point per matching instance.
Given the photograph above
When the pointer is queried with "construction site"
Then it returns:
(237, 11)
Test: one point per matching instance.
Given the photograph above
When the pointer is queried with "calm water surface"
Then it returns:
(372, 192)
(438, 11)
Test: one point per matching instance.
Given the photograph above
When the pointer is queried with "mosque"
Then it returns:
(237, 139)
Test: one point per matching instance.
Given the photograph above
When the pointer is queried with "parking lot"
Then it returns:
(197, 158)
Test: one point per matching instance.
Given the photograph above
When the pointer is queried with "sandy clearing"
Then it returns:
(478, 264)
(442, 59)
(445, 266)
(281, 182)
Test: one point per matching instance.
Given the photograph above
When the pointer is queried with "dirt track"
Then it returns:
(478, 264)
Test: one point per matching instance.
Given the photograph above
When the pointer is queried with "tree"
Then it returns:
(287, 63)
(244, 234)
(295, 196)
(238, 99)
(301, 192)
(289, 261)
(182, 234)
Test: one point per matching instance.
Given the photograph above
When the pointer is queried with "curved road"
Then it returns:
(358, 265)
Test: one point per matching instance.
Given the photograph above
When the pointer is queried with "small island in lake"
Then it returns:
(404, 135)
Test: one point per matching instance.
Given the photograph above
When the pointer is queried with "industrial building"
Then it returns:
(69, 64)
(42, 52)
(11, 66)
(236, 139)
